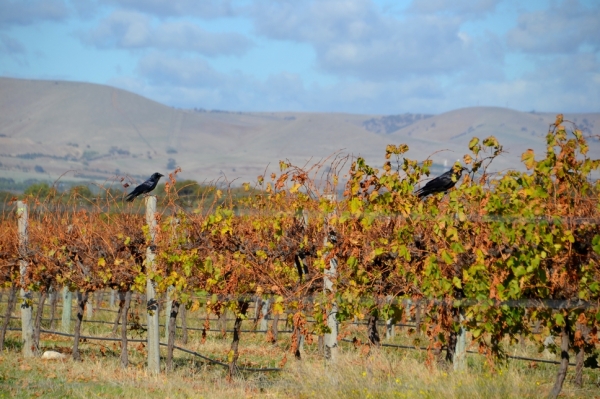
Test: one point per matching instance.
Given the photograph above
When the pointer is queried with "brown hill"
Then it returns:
(516, 131)
(50, 127)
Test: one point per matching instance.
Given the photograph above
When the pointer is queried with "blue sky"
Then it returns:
(357, 56)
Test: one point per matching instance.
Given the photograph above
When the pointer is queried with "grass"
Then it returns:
(357, 373)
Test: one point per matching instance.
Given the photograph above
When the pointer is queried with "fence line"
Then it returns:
(92, 338)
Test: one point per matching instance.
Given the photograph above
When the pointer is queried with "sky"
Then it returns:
(354, 56)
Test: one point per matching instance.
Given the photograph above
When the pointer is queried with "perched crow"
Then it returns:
(441, 183)
(145, 187)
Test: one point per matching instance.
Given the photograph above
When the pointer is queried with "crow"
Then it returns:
(145, 187)
(441, 183)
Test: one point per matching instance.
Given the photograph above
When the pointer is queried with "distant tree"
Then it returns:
(112, 193)
(39, 169)
(172, 164)
(81, 191)
(40, 190)
(187, 188)
(5, 196)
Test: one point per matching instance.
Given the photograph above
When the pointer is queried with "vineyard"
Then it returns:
(486, 266)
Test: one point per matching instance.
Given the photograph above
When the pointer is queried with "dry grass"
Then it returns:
(382, 373)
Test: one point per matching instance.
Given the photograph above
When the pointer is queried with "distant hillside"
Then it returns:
(50, 127)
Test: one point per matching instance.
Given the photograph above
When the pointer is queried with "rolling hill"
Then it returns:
(50, 127)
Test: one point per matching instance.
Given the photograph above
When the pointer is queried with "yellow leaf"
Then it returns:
(295, 188)
(528, 157)
(373, 195)
(101, 262)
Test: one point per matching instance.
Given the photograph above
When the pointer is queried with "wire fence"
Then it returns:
(386, 324)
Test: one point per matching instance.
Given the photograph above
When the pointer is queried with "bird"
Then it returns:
(441, 183)
(145, 187)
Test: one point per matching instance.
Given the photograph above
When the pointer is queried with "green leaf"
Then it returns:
(446, 257)
(490, 142)
(560, 320)
(457, 282)
(474, 141)
(596, 244)
(356, 206)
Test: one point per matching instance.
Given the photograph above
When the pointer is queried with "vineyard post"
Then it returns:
(89, 307)
(265, 314)
(330, 339)
(111, 302)
(152, 303)
(26, 297)
(389, 325)
(257, 307)
(460, 352)
(170, 290)
(53, 304)
(67, 296)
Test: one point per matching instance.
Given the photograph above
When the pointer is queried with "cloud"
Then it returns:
(27, 12)
(190, 82)
(85, 9)
(164, 8)
(10, 45)
(134, 30)
(190, 72)
(564, 83)
(190, 37)
(464, 8)
(353, 38)
(13, 49)
(122, 29)
(563, 28)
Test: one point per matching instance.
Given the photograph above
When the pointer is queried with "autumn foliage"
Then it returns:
(496, 254)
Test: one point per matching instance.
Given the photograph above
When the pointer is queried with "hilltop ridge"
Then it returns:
(49, 127)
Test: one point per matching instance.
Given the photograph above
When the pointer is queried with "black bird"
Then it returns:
(145, 187)
(441, 183)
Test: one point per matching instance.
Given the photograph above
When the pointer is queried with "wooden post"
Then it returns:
(564, 360)
(389, 325)
(265, 314)
(82, 298)
(168, 310)
(124, 312)
(460, 352)
(184, 330)
(89, 307)
(53, 303)
(12, 298)
(330, 339)
(172, 328)
(26, 297)
(111, 301)
(152, 303)
(65, 324)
